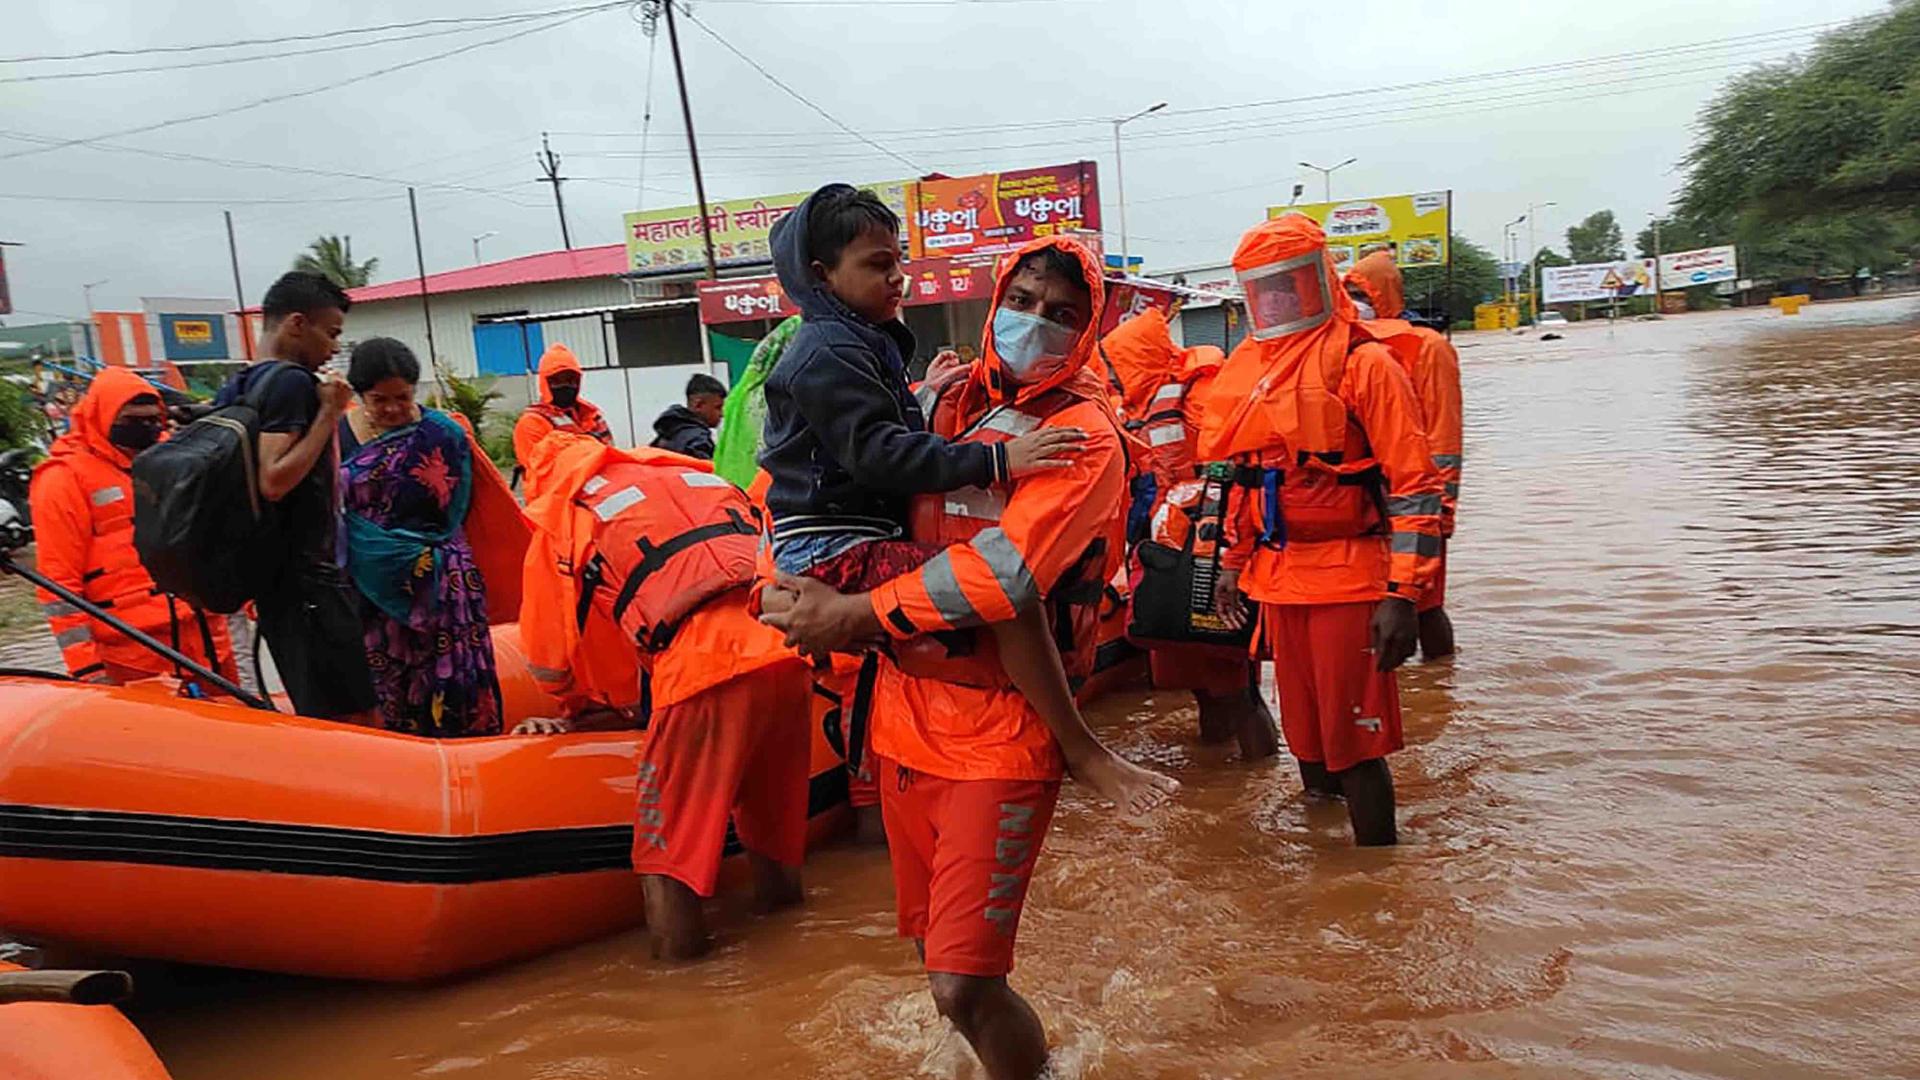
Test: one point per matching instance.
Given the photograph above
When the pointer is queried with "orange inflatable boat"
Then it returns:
(135, 823)
(44, 1040)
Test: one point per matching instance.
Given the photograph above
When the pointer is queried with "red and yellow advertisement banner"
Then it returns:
(996, 212)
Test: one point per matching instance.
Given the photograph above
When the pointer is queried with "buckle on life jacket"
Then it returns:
(591, 578)
(1273, 531)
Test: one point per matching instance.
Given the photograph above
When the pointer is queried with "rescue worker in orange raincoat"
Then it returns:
(1337, 530)
(969, 772)
(1434, 368)
(560, 408)
(82, 503)
(641, 560)
(1160, 384)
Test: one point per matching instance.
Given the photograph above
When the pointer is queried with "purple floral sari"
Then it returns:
(428, 643)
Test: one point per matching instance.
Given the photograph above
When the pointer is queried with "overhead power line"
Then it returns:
(292, 94)
(224, 61)
(139, 201)
(576, 9)
(795, 94)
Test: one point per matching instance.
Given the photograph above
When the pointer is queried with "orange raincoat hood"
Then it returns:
(1143, 356)
(1379, 278)
(1280, 394)
(110, 392)
(990, 373)
(556, 359)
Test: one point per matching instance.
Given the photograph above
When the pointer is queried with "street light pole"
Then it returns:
(87, 291)
(1120, 176)
(476, 244)
(1533, 259)
(1326, 176)
(1510, 259)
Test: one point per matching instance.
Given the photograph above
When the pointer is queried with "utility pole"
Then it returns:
(550, 170)
(239, 292)
(426, 309)
(1656, 264)
(693, 147)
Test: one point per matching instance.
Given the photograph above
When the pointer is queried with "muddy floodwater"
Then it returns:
(1660, 818)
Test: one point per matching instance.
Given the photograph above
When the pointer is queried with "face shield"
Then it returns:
(1288, 296)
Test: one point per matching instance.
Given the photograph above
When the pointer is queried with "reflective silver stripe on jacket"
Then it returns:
(107, 496)
(1171, 392)
(1410, 543)
(67, 639)
(1009, 567)
(981, 504)
(1008, 421)
(1162, 434)
(620, 500)
(1410, 505)
(943, 589)
(57, 608)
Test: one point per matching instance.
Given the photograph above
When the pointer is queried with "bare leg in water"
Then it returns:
(1368, 787)
(1436, 634)
(679, 927)
(1032, 662)
(1002, 1028)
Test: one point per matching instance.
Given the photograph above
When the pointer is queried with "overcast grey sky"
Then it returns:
(959, 87)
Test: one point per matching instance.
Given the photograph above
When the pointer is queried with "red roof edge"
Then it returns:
(606, 260)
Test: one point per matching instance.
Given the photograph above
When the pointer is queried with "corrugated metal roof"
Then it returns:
(607, 260)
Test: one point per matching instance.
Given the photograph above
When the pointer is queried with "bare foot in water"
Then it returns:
(1135, 790)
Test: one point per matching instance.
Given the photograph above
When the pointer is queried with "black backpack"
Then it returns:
(199, 524)
(1173, 588)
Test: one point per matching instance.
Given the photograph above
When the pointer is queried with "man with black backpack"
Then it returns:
(308, 615)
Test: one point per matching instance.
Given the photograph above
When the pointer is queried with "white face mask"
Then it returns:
(1365, 309)
(1032, 348)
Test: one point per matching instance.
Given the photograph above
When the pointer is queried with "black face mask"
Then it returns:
(135, 435)
(564, 396)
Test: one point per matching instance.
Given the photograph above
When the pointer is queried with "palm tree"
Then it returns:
(332, 257)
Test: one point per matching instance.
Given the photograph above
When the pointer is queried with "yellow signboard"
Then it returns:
(193, 331)
(1413, 227)
(665, 239)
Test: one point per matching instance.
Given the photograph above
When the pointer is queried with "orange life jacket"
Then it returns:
(667, 541)
(968, 657)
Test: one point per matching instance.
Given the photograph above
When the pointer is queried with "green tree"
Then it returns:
(1476, 279)
(21, 422)
(471, 398)
(1676, 234)
(1548, 257)
(1597, 239)
(332, 256)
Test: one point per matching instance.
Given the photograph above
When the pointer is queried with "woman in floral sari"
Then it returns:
(406, 485)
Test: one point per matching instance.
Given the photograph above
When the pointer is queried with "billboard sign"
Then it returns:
(743, 300)
(997, 212)
(1705, 266)
(672, 239)
(1595, 281)
(193, 337)
(1413, 227)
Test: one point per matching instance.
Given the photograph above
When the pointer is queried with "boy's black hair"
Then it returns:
(302, 291)
(838, 214)
(702, 383)
(378, 359)
(1050, 261)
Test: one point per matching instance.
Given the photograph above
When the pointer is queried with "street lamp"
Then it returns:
(476, 243)
(1508, 231)
(87, 328)
(1326, 176)
(1533, 259)
(1120, 175)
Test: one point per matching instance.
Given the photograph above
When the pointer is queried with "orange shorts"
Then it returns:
(1334, 707)
(1436, 594)
(1214, 669)
(963, 854)
(740, 748)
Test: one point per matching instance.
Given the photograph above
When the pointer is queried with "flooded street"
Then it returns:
(1657, 817)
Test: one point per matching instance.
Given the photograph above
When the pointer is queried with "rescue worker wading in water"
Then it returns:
(82, 501)
(1336, 532)
(560, 408)
(1434, 368)
(641, 559)
(1160, 386)
(969, 772)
